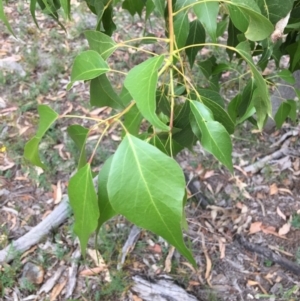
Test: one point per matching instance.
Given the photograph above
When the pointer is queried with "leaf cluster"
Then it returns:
(142, 181)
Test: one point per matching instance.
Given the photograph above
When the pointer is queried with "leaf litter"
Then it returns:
(231, 272)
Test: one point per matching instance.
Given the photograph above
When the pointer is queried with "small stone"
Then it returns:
(32, 273)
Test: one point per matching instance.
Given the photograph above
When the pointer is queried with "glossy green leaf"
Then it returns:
(263, 103)
(246, 16)
(47, 118)
(4, 19)
(282, 113)
(106, 210)
(84, 202)
(79, 135)
(102, 94)
(207, 13)
(196, 36)
(141, 83)
(213, 136)
(87, 65)
(132, 121)
(147, 187)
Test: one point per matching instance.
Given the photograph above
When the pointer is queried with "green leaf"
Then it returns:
(134, 6)
(107, 212)
(141, 83)
(79, 135)
(160, 6)
(233, 107)
(275, 10)
(47, 117)
(213, 136)
(66, 6)
(207, 13)
(246, 16)
(87, 65)
(263, 103)
(132, 121)
(107, 20)
(196, 36)
(148, 187)
(4, 19)
(293, 111)
(207, 66)
(149, 9)
(212, 95)
(221, 27)
(287, 76)
(102, 94)
(84, 202)
(246, 97)
(181, 29)
(155, 140)
(32, 11)
(219, 114)
(282, 113)
(232, 40)
(125, 96)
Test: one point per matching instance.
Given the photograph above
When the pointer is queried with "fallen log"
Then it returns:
(52, 221)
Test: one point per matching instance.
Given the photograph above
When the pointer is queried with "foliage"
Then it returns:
(142, 180)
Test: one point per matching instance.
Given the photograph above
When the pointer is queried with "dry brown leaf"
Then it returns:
(208, 261)
(222, 247)
(283, 190)
(214, 214)
(280, 213)
(194, 283)
(136, 298)
(68, 110)
(255, 227)
(219, 187)
(58, 193)
(273, 189)
(285, 229)
(279, 28)
(57, 290)
(241, 170)
(99, 262)
(156, 248)
(92, 271)
(271, 230)
(208, 174)
(168, 261)
(254, 283)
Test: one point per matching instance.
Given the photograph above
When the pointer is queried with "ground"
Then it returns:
(261, 205)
